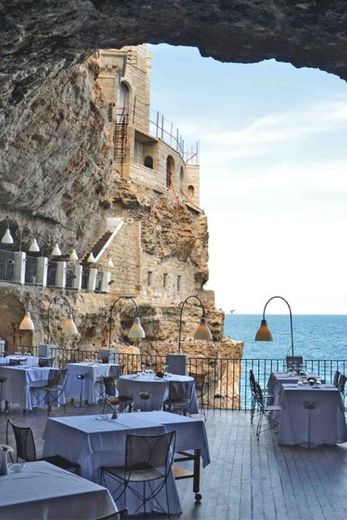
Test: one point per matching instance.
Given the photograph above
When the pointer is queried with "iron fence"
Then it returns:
(85, 278)
(226, 381)
(52, 274)
(31, 270)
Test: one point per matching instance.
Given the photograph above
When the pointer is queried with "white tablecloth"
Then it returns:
(20, 380)
(277, 379)
(92, 372)
(158, 389)
(24, 360)
(43, 491)
(92, 443)
(325, 424)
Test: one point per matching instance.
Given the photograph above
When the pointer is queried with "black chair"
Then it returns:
(3, 380)
(148, 461)
(179, 397)
(26, 450)
(266, 412)
(265, 394)
(341, 383)
(201, 390)
(54, 389)
(111, 391)
(336, 378)
(294, 362)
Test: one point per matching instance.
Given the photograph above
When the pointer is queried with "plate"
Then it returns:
(101, 417)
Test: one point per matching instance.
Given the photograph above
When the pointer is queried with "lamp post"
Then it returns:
(69, 326)
(264, 333)
(202, 332)
(136, 331)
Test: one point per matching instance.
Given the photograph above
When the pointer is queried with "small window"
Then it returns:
(179, 282)
(110, 112)
(170, 168)
(148, 162)
(165, 280)
(190, 192)
(149, 278)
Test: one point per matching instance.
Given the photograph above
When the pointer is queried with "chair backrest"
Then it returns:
(336, 378)
(108, 355)
(294, 362)
(14, 362)
(115, 371)
(259, 394)
(341, 383)
(25, 444)
(177, 363)
(150, 451)
(200, 382)
(180, 390)
(56, 377)
(252, 381)
(42, 362)
(110, 386)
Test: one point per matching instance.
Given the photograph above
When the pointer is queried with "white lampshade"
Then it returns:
(56, 250)
(136, 331)
(34, 247)
(110, 263)
(91, 259)
(73, 256)
(203, 331)
(27, 322)
(7, 237)
(69, 326)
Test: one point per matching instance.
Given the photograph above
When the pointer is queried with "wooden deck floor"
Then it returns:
(248, 479)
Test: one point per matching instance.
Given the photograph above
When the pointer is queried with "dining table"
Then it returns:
(93, 441)
(42, 491)
(277, 379)
(157, 388)
(20, 379)
(88, 388)
(311, 415)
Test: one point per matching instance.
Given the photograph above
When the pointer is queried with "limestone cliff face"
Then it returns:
(55, 158)
(38, 39)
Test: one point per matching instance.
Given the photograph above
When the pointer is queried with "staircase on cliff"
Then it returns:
(113, 226)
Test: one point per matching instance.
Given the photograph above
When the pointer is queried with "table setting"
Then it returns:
(87, 388)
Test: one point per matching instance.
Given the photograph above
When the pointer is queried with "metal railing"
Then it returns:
(31, 270)
(226, 380)
(52, 274)
(163, 129)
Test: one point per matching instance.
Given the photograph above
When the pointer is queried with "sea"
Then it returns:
(315, 336)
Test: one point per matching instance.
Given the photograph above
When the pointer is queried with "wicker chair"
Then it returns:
(148, 461)
(26, 449)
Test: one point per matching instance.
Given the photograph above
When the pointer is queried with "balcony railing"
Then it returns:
(226, 380)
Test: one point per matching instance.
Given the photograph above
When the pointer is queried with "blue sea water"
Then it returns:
(315, 336)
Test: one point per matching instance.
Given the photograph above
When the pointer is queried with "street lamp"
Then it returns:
(264, 333)
(69, 326)
(136, 331)
(202, 332)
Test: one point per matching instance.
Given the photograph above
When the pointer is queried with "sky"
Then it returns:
(273, 176)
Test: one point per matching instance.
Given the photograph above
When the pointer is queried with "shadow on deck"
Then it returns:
(246, 479)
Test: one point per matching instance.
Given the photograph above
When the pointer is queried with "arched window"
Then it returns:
(181, 177)
(190, 192)
(148, 162)
(170, 168)
(123, 98)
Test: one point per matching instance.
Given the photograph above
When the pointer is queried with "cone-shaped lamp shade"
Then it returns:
(34, 247)
(56, 250)
(203, 332)
(110, 263)
(264, 333)
(7, 238)
(69, 327)
(91, 259)
(73, 256)
(27, 322)
(136, 331)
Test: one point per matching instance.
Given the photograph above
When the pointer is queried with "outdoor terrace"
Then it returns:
(247, 479)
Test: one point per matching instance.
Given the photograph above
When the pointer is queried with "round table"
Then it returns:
(157, 388)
